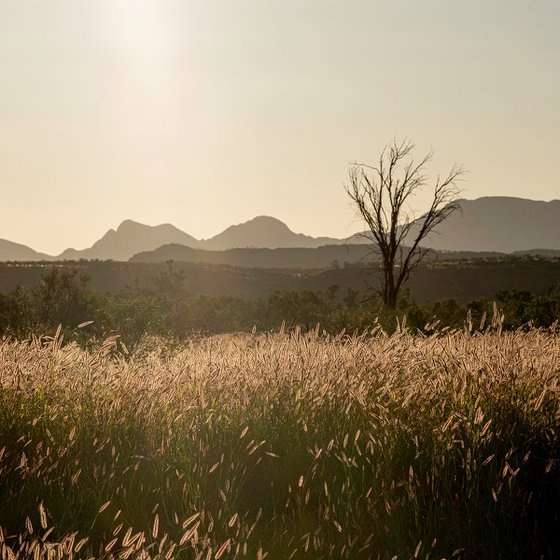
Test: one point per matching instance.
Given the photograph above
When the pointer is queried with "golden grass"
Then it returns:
(282, 446)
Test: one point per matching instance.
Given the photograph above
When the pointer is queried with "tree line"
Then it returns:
(166, 307)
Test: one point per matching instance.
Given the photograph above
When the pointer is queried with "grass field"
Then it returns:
(283, 446)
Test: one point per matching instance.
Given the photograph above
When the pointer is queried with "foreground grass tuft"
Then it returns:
(283, 446)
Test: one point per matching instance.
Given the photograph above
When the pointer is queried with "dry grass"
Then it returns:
(283, 446)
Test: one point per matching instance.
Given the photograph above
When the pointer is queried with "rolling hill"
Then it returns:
(10, 251)
(488, 224)
(500, 223)
(281, 257)
(130, 238)
(264, 232)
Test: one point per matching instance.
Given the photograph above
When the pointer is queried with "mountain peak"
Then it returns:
(263, 222)
(499, 223)
(130, 238)
(266, 219)
(129, 225)
(263, 232)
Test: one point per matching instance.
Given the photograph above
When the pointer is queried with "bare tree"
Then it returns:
(382, 195)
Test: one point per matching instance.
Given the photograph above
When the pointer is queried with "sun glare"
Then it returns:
(143, 29)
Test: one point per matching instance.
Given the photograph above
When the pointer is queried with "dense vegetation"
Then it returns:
(136, 431)
(446, 277)
(167, 307)
(283, 446)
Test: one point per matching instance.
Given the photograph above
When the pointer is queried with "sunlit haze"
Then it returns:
(208, 113)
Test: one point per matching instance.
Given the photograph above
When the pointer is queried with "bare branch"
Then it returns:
(380, 194)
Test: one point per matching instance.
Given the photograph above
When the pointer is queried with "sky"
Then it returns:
(206, 113)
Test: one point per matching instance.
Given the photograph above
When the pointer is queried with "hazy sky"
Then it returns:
(206, 113)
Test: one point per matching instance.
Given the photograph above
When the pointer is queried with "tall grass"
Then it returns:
(283, 446)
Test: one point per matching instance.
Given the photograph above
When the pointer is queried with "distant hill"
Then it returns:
(488, 224)
(327, 256)
(10, 251)
(264, 232)
(500, 223)
(130, 238)
(284, 258)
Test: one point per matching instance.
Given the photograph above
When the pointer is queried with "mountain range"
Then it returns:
(503, 224)
(129, 238)
(488, 224)
(132, 237)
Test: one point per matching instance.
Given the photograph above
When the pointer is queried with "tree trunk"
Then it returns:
(389, 291)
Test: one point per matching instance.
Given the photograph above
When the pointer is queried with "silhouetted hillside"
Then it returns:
(10, 251)
(489, 224)
(286, 258)
(500, 223)
(130, 238)
(328, 256)
(264, 231)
